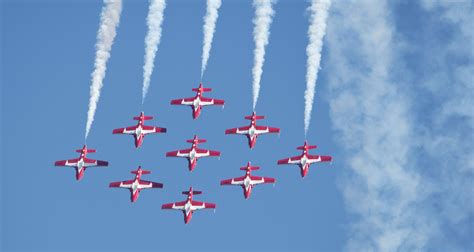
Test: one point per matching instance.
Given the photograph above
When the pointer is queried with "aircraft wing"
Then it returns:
(92, 162)
(261, 180)
(143, 184)
(197, 205)
(127, 130)
(233, 181)
(291, 160)
(266, 129)
(179, 153)
(211, 101)
(242, 130)
(122, 184)
(70, 162)
(207, 153)
(176, 205)
(317, 158)
(183, 101)
(151, 129)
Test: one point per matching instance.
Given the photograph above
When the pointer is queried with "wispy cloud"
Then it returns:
(261, 32)
(371, 114)
(447, 80)
(212, 13)
(109, 20)
(152, 40)
(409, 176)
(317, 29)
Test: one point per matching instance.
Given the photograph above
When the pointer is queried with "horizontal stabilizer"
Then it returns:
(309, 147)
(198, 140)
(194, 192)
(252, 168)
(88, 151)
(143, 172)
(144, 118)
(203, 89)
(256, 117)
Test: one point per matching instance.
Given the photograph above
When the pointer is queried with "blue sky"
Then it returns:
(393, 107)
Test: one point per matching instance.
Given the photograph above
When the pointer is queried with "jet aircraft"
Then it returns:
(305, 159)
(248, 181)
(194, 153)
(137, 184)
(140, 130)
(198, 101)
(253, 130)
(81, 163)
(189, 206)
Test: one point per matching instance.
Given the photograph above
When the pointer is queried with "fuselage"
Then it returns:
(247, 185)
(139, 133)
(197, 105)
(134, 189)
(81, 164)
(305, 162)
(192, 157)
(252, 134)
(188, 209)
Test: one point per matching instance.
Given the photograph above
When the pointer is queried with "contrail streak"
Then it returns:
(262, 21)
(152, 40)
(208, 29)
(317, 29)
(109, 20)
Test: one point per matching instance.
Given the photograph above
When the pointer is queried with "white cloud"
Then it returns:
(409, 180)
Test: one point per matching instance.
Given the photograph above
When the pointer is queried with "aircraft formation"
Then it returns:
(248, 181)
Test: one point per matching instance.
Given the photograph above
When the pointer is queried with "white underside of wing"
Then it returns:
(242, 132)
(261, 131)
(122, 185)
(237, 182)
(177, 207)
(205, 154)
(183, 154)
(198, 207)
(144, 186)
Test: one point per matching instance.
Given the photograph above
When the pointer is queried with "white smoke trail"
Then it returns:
(261, 32)
(208, 29)
(317, 29)
(152, 40)
(109, 20)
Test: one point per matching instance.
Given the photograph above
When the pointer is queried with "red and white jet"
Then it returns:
(194, 153)
(140, 130)
(253, 130)
(81, 163)
(198, 101)
(136, 185)
(305, 160)
(248, 181)
(189, 206)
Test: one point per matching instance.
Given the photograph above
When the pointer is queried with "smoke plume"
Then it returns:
(261, 32)
(152, 40)
(208, 30)
(317, 29)
(109, 20)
